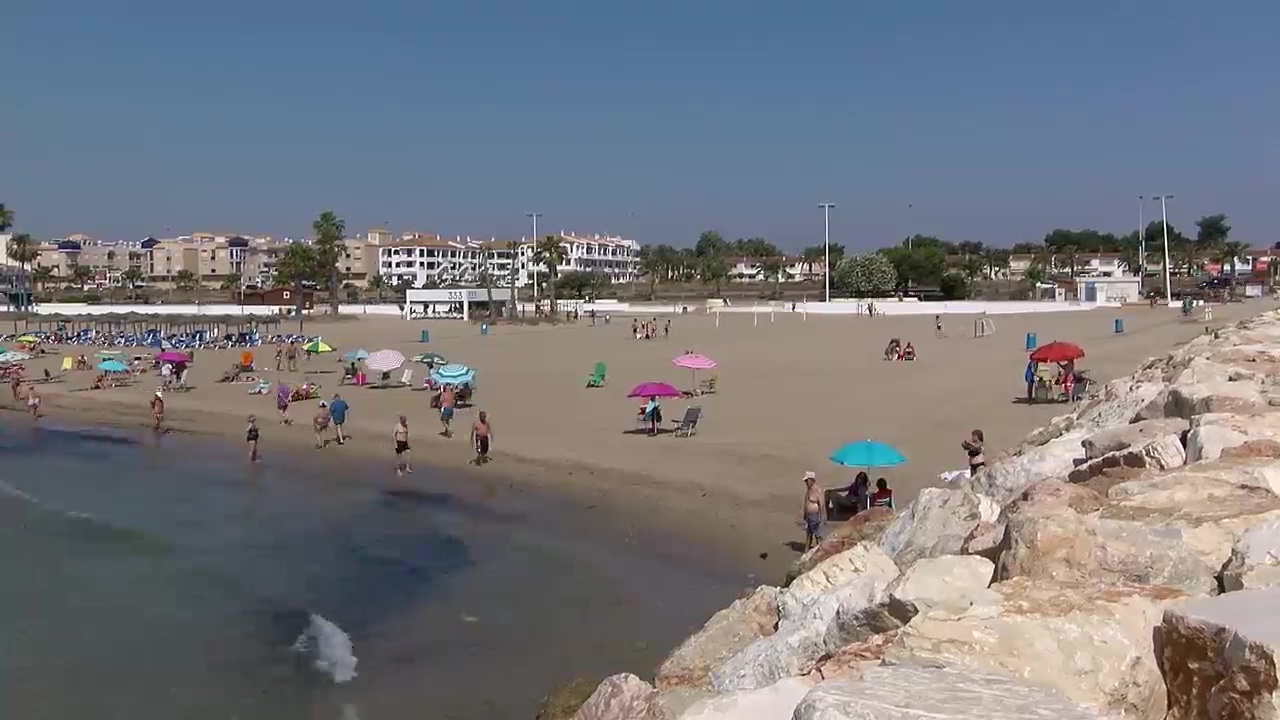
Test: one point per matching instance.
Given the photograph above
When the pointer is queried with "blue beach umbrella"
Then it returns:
(454, 374)
(112, 366)
(867, 453)
(355, 355)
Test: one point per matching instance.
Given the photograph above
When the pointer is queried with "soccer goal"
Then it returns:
(983, 327)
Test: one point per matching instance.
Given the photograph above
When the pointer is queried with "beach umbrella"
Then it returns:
(1056, 352)
(867, 453)
(694, 362)
(112, 366)
(654, 389)
(173, 357)
(355, 355)
(109, 354)
(430, 359)
(384, 360)
(28, 339)
(13, 356)
(454, 374)
(317, 346)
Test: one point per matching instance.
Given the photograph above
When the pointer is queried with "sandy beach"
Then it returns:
(789, 393)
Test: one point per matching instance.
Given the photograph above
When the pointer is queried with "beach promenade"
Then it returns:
(789, 393)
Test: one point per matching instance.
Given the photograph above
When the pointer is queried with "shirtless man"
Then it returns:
(448, 399)
(481, 436)
(812, 513)
(320, 423)
(157, 410)
(401, 437)
(33, 402)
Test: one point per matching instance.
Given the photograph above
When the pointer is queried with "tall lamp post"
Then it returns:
(1142, 248)
(1164, 221)
(532, 265)
(826, 247)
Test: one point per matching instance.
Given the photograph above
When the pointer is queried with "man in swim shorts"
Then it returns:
(481, 435)
(448, 399)
(812, 512)
(401, 437)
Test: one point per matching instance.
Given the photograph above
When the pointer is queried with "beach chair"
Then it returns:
(597, 377)
(406, 378)
(262, 388)
(687, 426)
(68, 363)
(708, 386)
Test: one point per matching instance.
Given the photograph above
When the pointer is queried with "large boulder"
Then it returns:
(775, 702)
(1123, 437)
(1212, 433)
(1121, 400)
(953, 583)
(624, 697)
(1255, 559)
(803, 636)
(936, 523)
(727, 632)
(1209, 387)
(1006, 477)
(1219, 657)
(1091, 641)
(1163, 452)
(864, 526)
(865, 558)
(913, 693)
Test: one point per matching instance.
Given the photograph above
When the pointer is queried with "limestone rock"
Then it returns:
(1255, 559)
(865, 558)
(864, 526)
(1213, 433)
(802, 636)
(725, 634)
(984, 540)
(1208, 387)
(950, 582)
(1054, 495)
(1161, 453)
(936, 523)
(851, 659)
(1056, 428)
(1121, 400)
(1005, 478)
(913, 693)
(1123, 437)
(774, 702)
(623, 697)
(1219, 657)
(1093, 642)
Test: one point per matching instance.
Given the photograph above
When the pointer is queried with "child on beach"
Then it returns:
(883, 496)
(251, 438)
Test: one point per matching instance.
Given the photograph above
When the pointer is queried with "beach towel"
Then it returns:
(951, 476)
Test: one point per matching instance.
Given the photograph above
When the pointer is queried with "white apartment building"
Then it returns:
(423, 259)
(794, 269)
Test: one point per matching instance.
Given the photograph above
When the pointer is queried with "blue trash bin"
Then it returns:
(1031, 341)
(426, 336)
(484, 328)
(1119, 325)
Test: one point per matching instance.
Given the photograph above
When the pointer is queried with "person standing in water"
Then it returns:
(33, 402)
(481, 436)
(401, 437)
(157, 411)
(251, 438)
(812, 513)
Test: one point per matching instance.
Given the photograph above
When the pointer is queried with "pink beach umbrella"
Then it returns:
(694, 362)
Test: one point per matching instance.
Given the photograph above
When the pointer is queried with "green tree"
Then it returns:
(1072, 254)
(774, 269)
(329, 231)
(183, 280)
(870, 275)
(377, 283)
(486, 279)
(581, 283)
(713, 270)
(921, 266)
(131, 277)
(24, 251)
(651, 267)
(954, 286)
(1228, 253)
(513, 248)
(299, 264)
(710, 244)
(1212, 231)
(6, 218)
(81, 275)
(43, 277)
(995, 261)
(231, 282)
(811, 257)
(972, 268)
(1034, 275)
(551, 254)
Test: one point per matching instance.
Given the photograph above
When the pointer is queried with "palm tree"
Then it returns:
(651, 266)
(486, 257)
(131, 277)
(812, 256)
(550, 252)
(6, 218)
(23, 251)
(713, 270)
(80, 275)
(972, 267)
(377, 283)
(513, 247)
(1229, 252)
(1073, 258)
(329, 231)
(183, 280)
(775, 269)
(231, 282)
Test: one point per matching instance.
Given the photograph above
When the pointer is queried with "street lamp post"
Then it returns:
(826, 247)
(1142, 248)
(534, 266)
(1164, 221)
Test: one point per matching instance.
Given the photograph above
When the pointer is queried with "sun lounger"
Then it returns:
(262, 388)
(688, 425)
(597, 377)
(708, 386)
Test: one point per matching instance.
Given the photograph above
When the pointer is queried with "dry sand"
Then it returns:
(790, 392)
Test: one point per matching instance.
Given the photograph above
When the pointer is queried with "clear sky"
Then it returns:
(998, 120)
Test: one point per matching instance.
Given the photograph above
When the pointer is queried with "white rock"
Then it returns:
(865, 558)
(775, 702)
(1255, 559)
(936, 523)
(916, 693)
(952, 582)
(1123, 437)
(623, 697)
(1212, 433)
(1120, 401)
(1219, 656)
(1006, 477)
(727, 633)
(1161, 453)
(1092, 642)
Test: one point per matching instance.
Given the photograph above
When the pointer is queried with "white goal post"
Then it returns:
(984, 326)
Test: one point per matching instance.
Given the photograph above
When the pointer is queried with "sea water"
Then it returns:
(145, 577)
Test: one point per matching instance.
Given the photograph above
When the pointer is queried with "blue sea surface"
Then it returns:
(145, 577)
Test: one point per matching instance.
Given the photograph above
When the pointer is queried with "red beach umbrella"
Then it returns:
(1057, 352)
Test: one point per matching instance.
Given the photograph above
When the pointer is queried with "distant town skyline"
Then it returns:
(994, 123)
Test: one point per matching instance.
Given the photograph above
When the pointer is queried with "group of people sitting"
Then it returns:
(897, 351)
(648, 329)
(1044, 382)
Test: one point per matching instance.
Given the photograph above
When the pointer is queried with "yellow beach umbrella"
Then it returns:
(29, 339)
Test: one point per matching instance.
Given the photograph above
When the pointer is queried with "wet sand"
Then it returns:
(789, 393)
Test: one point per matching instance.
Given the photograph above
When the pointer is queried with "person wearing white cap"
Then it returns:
(157, 410)
(320, 423)
(812, 513)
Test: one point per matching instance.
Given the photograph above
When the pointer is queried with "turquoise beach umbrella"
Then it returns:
(112, 366)
(454, 374)
(867, 453)
(355, 355)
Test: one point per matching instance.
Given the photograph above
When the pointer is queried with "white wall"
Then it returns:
(203, 309)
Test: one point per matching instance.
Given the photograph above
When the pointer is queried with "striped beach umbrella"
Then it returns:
(694, 362)
(13, 356)
(384, 360)
(317, 346)
(454, 374)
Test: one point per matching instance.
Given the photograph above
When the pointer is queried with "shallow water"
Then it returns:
(144, 577)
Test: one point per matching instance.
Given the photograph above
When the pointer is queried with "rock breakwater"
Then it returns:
(1121, 562)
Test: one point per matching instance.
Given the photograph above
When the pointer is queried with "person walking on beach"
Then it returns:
(937, 326)
(279, 357)
(320, 423)
(812, 512)
(15, 385)
(251, 438)
(481, 436)
(282, 402)
(401, 437)
(338, 411)
(291, 355)
(157, 410)
(448, 399)
(33, 402)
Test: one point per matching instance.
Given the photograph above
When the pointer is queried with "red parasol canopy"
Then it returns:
(1057, 352)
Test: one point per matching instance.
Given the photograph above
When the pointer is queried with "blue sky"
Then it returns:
(996, 120)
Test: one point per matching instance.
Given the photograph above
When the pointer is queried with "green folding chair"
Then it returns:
(596, 379)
